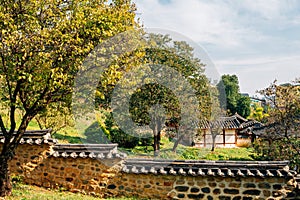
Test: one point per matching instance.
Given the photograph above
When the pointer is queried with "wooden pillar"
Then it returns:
(235, 136)
(224, 141)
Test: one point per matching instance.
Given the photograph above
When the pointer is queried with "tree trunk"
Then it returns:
(253, 137)
(7, 153)
(177, 142)
(213, 143)
(158, 139)
(5, 183)
(156, 145)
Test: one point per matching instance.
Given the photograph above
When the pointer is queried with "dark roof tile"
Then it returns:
(34, 137)
(210, 168)
(94, 151)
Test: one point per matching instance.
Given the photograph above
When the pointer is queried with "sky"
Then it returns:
(258, 40)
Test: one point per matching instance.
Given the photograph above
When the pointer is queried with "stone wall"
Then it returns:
(38, 165)
(101, 170)
(188, 187)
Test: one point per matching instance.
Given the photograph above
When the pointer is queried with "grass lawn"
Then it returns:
(28, 192)
(191, 153)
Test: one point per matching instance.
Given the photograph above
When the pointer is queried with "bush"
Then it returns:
(278, 150)
(105, 130)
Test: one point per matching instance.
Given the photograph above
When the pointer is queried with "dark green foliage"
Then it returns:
(234, 101)
(243, 106)
(95, 135)
(148, 96)
(109, 131)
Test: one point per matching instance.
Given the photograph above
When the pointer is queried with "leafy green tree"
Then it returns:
(152, 105)
(159, 50)
(42, 45)
(234, 102)
(229, 84)
(243, 106)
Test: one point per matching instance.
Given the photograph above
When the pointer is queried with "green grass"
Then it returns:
(64, 137)
(191, 153)
(28, 192)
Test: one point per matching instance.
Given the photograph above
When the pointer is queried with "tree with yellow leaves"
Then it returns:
(42, 45)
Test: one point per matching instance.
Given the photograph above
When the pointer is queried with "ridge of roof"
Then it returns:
(240, 117)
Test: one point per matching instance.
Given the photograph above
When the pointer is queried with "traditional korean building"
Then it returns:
(233, 131)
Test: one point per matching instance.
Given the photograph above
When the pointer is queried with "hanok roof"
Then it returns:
(34, 137)
(233, 122)
(95, 151)
(275, 130)
(209, 168)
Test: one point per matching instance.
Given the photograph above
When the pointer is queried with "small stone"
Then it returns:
(205, 190)
(210, 198)
(195, 196)
(247, 198)
(217, 191)
(224, 198)
(264, 185)
(180, 182)
(195, 190)
(249, 185)
(231, 191)
(111, 187)
(221, 185)
(167, 183)
(235, 185)
(277, 186)
(252, 192)
(181, 188)
(212, 184)
(172, 194)
(267, 193)
(191, 183)
(210, 179)
(276, 194)
(200, 183)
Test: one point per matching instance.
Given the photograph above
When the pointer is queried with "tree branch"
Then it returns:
(13, 108)
(2, 126)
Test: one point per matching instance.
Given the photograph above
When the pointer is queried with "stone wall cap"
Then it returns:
(34, 137)
(94, 151)
(209, 168)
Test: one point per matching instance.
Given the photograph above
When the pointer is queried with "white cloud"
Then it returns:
(257, 73)
(271, 9)
(255, 39)
(202, 21)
